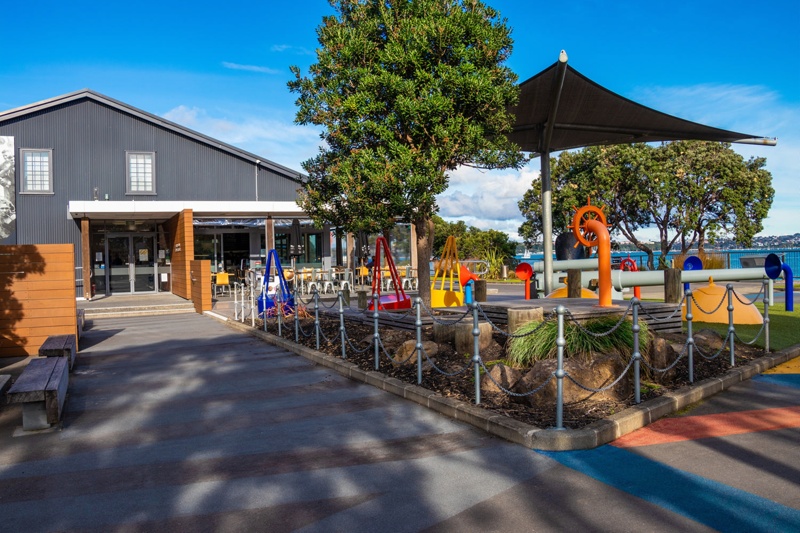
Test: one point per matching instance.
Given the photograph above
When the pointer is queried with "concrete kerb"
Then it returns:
(551, 439)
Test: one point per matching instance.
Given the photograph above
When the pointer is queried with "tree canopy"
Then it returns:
(692, 192)
(406, 91)
(492, 246)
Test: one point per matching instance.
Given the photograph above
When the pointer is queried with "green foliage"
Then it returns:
(491, 245)
(405, 93)
(523, 351)
(692, 192)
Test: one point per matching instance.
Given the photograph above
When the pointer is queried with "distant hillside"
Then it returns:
(772, 241)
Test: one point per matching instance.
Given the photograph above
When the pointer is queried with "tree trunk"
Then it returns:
(424, 229)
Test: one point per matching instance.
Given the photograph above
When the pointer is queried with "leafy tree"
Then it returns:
(692, 192)
(406, 91)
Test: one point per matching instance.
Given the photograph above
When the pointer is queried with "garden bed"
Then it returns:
(462, 386)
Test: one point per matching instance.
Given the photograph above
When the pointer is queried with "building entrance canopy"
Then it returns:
(560, 109)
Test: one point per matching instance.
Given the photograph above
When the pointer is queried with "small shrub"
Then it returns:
(525, 350)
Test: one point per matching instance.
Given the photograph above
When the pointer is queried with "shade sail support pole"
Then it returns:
(547, 192)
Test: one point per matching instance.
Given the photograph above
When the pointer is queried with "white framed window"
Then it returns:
(37, 171)
(141, 172)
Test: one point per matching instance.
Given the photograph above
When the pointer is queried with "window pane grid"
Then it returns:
(37, 171)
(140, 172)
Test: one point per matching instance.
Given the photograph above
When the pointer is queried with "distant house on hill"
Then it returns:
(139, 196)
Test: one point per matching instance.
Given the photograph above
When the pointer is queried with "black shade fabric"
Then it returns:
(587, 114)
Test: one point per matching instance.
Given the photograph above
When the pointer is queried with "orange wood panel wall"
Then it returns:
(200, 270)
(181, 234)
(37, 291)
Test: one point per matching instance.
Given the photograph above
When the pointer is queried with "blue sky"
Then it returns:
(222, 68)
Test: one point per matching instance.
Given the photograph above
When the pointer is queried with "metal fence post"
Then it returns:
(341, 323)
(264, 301)
(637, 356)
(560, 342)
(689, 334)
(767, 303)
(418, 326)
(476, 351)
(731, 329)
(253, 309)
(316, 315)
(296, 317)
(375, 334)
(236, 303)
(279, 309)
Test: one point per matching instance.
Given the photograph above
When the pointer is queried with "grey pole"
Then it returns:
(418, 326)
(767, 302)
(375, 335)
(341, 323)
(264, 301)
(637, 356)
(316, 315)
(689, 334)
(560, 342)
(253, 309)
(476, 351)
(731, 329)
(296, 316)
(279, 309)
(547, 192)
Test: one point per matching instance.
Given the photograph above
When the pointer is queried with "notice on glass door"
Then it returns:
(143, 255)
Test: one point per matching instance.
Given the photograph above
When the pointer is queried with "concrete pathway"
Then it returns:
(179, 423)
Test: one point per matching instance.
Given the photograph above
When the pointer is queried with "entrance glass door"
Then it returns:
(131, 263)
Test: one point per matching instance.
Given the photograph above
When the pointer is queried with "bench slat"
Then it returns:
(33, 381)
(56, 391)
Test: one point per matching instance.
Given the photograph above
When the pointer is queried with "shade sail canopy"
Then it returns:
(560, 109)
(586, 114)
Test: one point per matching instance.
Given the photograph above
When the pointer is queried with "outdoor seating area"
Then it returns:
(309, 280)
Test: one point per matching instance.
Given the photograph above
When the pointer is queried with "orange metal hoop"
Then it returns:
(582, 215)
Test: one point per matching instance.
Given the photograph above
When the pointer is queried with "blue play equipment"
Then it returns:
(691, 263)
(773, 268)
(266, 303)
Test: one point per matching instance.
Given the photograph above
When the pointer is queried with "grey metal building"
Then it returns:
(111, 179)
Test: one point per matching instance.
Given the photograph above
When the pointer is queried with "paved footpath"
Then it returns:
(178, 423)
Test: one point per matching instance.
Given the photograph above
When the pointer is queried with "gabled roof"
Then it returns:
(87, 94)
(587, 114)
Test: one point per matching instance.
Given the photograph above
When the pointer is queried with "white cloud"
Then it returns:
(251, 68)
(753, 110)
(298, 50)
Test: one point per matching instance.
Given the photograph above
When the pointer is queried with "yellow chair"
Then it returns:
(222, 282)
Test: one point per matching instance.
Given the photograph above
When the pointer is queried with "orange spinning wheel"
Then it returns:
(580, 221)
(591, 229)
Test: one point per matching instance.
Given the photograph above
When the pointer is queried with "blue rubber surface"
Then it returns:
(708, 502)
(785, 380)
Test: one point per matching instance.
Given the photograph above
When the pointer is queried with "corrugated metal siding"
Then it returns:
(95, 137)
(89, 141)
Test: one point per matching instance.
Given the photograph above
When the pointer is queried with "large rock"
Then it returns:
(598, 373)
(660, 355)
(406, 353)
(708, 340)
(501, 374)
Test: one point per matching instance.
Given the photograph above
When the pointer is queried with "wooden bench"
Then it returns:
(41, 389)
(59, 346)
